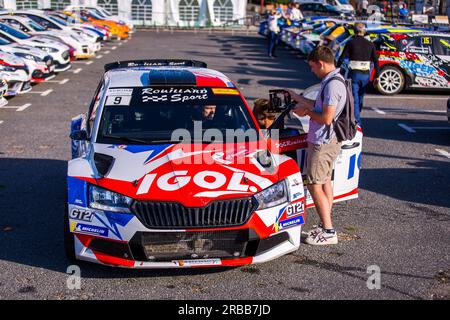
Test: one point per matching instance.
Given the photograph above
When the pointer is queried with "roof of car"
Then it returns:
(167, 75)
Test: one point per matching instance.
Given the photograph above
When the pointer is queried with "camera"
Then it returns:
(279, 100)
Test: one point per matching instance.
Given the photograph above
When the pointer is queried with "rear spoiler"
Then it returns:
(155, 63)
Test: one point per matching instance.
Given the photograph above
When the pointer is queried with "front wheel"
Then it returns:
(390, 81)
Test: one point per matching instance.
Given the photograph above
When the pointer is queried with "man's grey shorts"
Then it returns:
(320, 161)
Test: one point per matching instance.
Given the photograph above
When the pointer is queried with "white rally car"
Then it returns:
(58, 50)
(39, 63)
(154, 183)
(79, 46)
(89, 48)
(15, 72)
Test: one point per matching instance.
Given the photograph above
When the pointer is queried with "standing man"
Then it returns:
(323, 147)
(274, 29)
(361, 53)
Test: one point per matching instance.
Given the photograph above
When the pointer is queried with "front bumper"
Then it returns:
(141, 251)
(62, 67)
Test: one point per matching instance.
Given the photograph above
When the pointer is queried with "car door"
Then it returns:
(441, 50)
(346, 169)
(421, 64)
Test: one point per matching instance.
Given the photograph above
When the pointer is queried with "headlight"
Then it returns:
(48, 49)
(103, 199)
(272, 196)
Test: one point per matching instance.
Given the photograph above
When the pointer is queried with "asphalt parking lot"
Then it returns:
(400, 223)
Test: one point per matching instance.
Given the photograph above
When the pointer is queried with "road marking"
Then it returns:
(405, 127)
(405, 97)
(107, 52)
(24, 107)
(64, 81)
(77, 70)
(42, 93)
(99, 57)
(378, 111)
(444, 153)
(19, 108)
(1, 121)
(114, 48)
(83, 62)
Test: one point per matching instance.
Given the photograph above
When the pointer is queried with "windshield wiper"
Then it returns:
(125, 138)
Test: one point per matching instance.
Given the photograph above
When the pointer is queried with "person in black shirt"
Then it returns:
(361, 53)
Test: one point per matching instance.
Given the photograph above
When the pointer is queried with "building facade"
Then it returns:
(183, 13)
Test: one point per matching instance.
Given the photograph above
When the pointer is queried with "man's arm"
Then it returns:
(326, 117)
(344, 54)
(374, 57)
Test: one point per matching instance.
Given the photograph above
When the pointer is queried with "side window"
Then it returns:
(294, 126)
(420, 45)
(18, 25)
(94, 107)
(442, 46)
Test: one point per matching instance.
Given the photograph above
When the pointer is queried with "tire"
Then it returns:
(69, 241)
(390, 81)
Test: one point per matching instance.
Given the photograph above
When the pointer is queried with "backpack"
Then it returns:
(344, 123)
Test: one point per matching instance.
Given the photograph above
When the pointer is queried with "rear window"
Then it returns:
(142, 115)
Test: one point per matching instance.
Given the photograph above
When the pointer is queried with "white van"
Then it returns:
(340, 5)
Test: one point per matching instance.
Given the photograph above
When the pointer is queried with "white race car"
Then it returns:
(78, 46)
(58, 50)
(88, 48)
(40, 64)
(15, 72)
(83, 31)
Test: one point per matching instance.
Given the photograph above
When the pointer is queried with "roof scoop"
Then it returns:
(103, 163)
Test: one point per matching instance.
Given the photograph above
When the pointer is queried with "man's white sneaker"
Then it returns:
(315, 231)
(322, 239)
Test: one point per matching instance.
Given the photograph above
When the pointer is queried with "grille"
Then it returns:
(174, 215)
(166, 246)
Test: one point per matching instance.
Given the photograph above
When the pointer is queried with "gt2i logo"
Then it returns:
(77, 214)
(294, 209)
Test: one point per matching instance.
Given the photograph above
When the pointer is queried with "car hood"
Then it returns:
(28, 49)
(44, 41)
(191, 174)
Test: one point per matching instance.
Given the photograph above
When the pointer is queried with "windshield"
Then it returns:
(150, 115)
(14, 32)
(36, 26)
(61, 22)
(3, 41)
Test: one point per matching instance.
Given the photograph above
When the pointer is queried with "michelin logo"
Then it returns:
(84, 228)
(291, 222)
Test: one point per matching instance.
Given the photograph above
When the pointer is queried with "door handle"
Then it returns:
(351, 146)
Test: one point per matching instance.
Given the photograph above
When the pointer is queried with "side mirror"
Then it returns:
(79, 135)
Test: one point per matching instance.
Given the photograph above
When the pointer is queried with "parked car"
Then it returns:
(14, 70)
(56, 49)
(40, 63)
(88, 48)
(416, 61)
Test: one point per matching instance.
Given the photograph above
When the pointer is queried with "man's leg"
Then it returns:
(322, 204)
(364, 83)
(270, 47)
(355, 91)
(328, 189)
